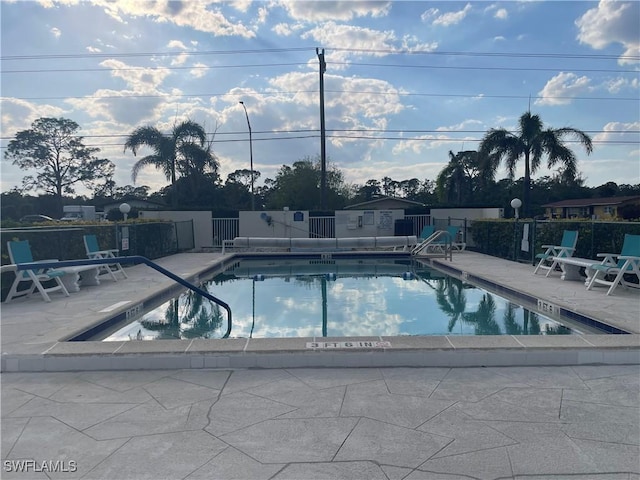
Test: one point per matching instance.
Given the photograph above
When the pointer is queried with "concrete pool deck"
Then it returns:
(33, 332)
(424, 423)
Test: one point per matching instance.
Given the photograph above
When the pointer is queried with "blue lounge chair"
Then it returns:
(453, 231)
(20, 252)
(627, 263)
(547, 260)
(93, 251)
(426, 232)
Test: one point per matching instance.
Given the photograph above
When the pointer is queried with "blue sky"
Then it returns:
(405, 82)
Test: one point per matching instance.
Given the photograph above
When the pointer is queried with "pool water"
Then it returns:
(274, 298)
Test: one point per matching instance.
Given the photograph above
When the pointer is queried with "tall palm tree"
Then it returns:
(451, 299)
(531, 141)
(168, 150)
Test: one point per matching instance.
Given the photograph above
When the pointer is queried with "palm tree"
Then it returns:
(451, 299)
(169, 151)
(455, 182)
(532, 142)
(483, 318)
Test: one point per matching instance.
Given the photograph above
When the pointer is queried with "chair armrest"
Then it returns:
(628, 257)
(608, 258)
(550, 246)
(564, 251)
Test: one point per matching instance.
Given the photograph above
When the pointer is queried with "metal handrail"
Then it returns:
(439, 238)
(132, 259)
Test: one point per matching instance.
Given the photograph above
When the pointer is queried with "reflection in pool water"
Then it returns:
(338, 298)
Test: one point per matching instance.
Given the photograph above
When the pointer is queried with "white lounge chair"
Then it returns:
(617, 266)
(548, 260)
(94, 252)
(20, 252)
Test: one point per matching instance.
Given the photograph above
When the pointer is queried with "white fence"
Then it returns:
(319, 227)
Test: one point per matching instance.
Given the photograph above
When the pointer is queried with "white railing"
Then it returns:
(322, 227)
(419, 221)
(224, 229)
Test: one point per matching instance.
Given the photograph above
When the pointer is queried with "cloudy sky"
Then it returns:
(405, 81)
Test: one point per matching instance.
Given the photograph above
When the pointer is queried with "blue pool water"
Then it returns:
(339, 297)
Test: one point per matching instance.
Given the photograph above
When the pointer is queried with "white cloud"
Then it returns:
(320, 11)
(286, 29)
(263, 13)
(349, 36)
(19, 114)
(434, 16)
(464, 125)
(139, 79)
(201, 16)
(199, 70)
(611, 132)
(56, 32)
(612, 22)
(177, 44)
(180, 59)
(93, 49)
(501, 14)
(565, 85)
(618, 84)
(361, 41)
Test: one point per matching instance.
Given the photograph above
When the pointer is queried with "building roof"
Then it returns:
(589, 202)
(371, 203)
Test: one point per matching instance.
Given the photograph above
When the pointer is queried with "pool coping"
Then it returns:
(409, 351)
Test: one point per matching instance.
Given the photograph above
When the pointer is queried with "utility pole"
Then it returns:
(253, 198)
(323, 154)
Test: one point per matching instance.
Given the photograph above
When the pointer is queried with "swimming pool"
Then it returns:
(338, 297)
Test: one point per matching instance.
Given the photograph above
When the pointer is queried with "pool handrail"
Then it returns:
(132, 259)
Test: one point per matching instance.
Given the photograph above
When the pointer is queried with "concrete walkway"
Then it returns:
(578, 422)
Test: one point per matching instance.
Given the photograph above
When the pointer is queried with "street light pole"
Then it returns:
(253, 198)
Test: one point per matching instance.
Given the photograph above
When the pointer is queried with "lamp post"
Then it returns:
(253, 198)
(516, 203)
(125, 208)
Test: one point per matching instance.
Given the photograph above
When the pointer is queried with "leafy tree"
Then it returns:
(237, 189)
(370, 190)
(298, 186)
(409, 188)
(609, 189)
(182, 151)
(389, 187)
(532, 142)
(454, 182)
(243, 177)
(52, 147)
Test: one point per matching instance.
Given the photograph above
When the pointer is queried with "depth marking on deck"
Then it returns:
(114, 306)
(349, 344)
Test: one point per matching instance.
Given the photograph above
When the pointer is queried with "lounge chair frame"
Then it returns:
(20, 252)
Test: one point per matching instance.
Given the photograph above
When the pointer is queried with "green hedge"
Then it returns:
(502, 238)
(148, 239)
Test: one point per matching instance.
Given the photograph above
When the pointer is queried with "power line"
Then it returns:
(311, 50)
(350, 92)
(350, 64)
(371, 137)
(341, 130)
